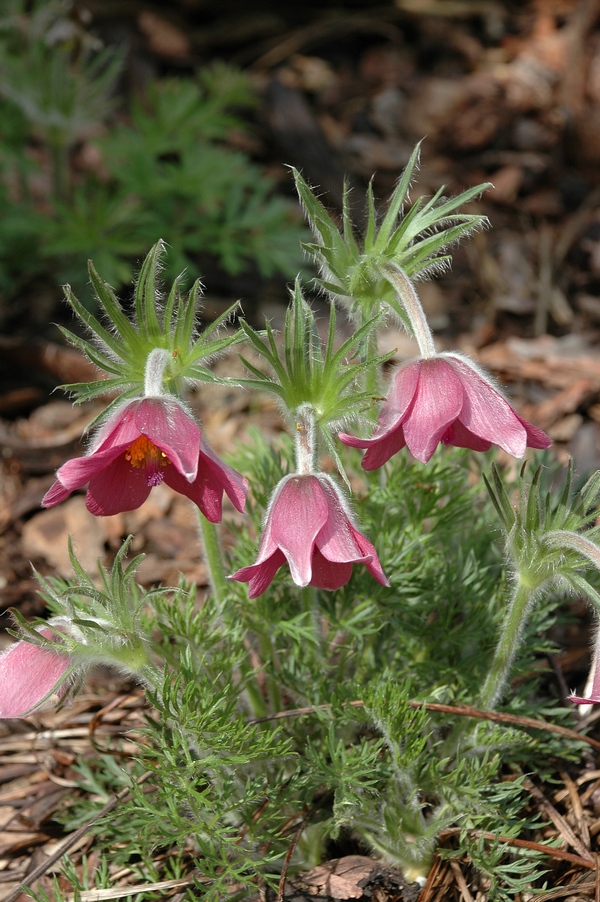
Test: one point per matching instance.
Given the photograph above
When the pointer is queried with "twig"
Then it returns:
(119, 892)
(460, 879)
(426, 893)
(523, 844)
(557, 819)
(462, 711)
(577, 806)
(288, 858)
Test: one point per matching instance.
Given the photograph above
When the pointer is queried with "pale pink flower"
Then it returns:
(308, 524)
(143, 443)
(29, 673)
(444, 399)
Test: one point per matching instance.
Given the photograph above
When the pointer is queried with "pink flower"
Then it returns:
(444, 399)
(309, 525)
(29, 673)
(145, 442)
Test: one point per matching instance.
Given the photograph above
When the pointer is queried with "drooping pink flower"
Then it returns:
(444, 399)
(28, 673)
(308, 524)
(145, 442)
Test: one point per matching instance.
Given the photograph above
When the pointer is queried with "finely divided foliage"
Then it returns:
(307, 705)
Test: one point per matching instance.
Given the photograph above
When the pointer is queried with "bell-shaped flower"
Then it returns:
(145, 442)
(444, 398)
(308, 524)
(33, 677)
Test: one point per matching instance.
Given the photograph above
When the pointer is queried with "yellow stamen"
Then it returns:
(144, 453)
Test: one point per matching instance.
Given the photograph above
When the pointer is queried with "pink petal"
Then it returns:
(77, 472)
(119, 430)
(373, 565)
(486, 413)
(336, 540)
(297, 516)
(231, 482)
(459, 436)
(381, 450)
(170, 428)
(536, 438)
(55, 494)
(401, 393)
(327, 574)
(437, 403)
(388, 436)
(206, 491)
(203, 491)
(118, 487)
(27, 674)
(260, 576)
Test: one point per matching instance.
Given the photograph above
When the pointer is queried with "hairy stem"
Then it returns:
(213, 559)
(512, 628)
(411, 303)
(305, 440)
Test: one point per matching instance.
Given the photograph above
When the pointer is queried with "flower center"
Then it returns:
(144, 453)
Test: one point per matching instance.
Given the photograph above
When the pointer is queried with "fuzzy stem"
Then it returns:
(563, 538)
(512, 628)
(305, 440)
(414, 310)
(213, 559)
(154, 371)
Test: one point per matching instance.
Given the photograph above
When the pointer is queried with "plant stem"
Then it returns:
(411, 303)
(512, 627)
(305, 440)
(213, 559)
(499, 671)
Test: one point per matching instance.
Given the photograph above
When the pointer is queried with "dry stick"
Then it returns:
(460, 880)
(288, 858)
(70, 841)
(425, 894)
(466, 711)
(557, 819)
(523, 844)
(577, 807)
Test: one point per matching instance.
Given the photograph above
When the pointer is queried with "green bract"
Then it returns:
(543, 531)
(104, 608)
(121, 349)
(307, 372)
(353, 272)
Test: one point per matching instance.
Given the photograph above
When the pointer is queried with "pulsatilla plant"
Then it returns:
(301, 696)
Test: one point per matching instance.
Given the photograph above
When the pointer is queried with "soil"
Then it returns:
(506, 92)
